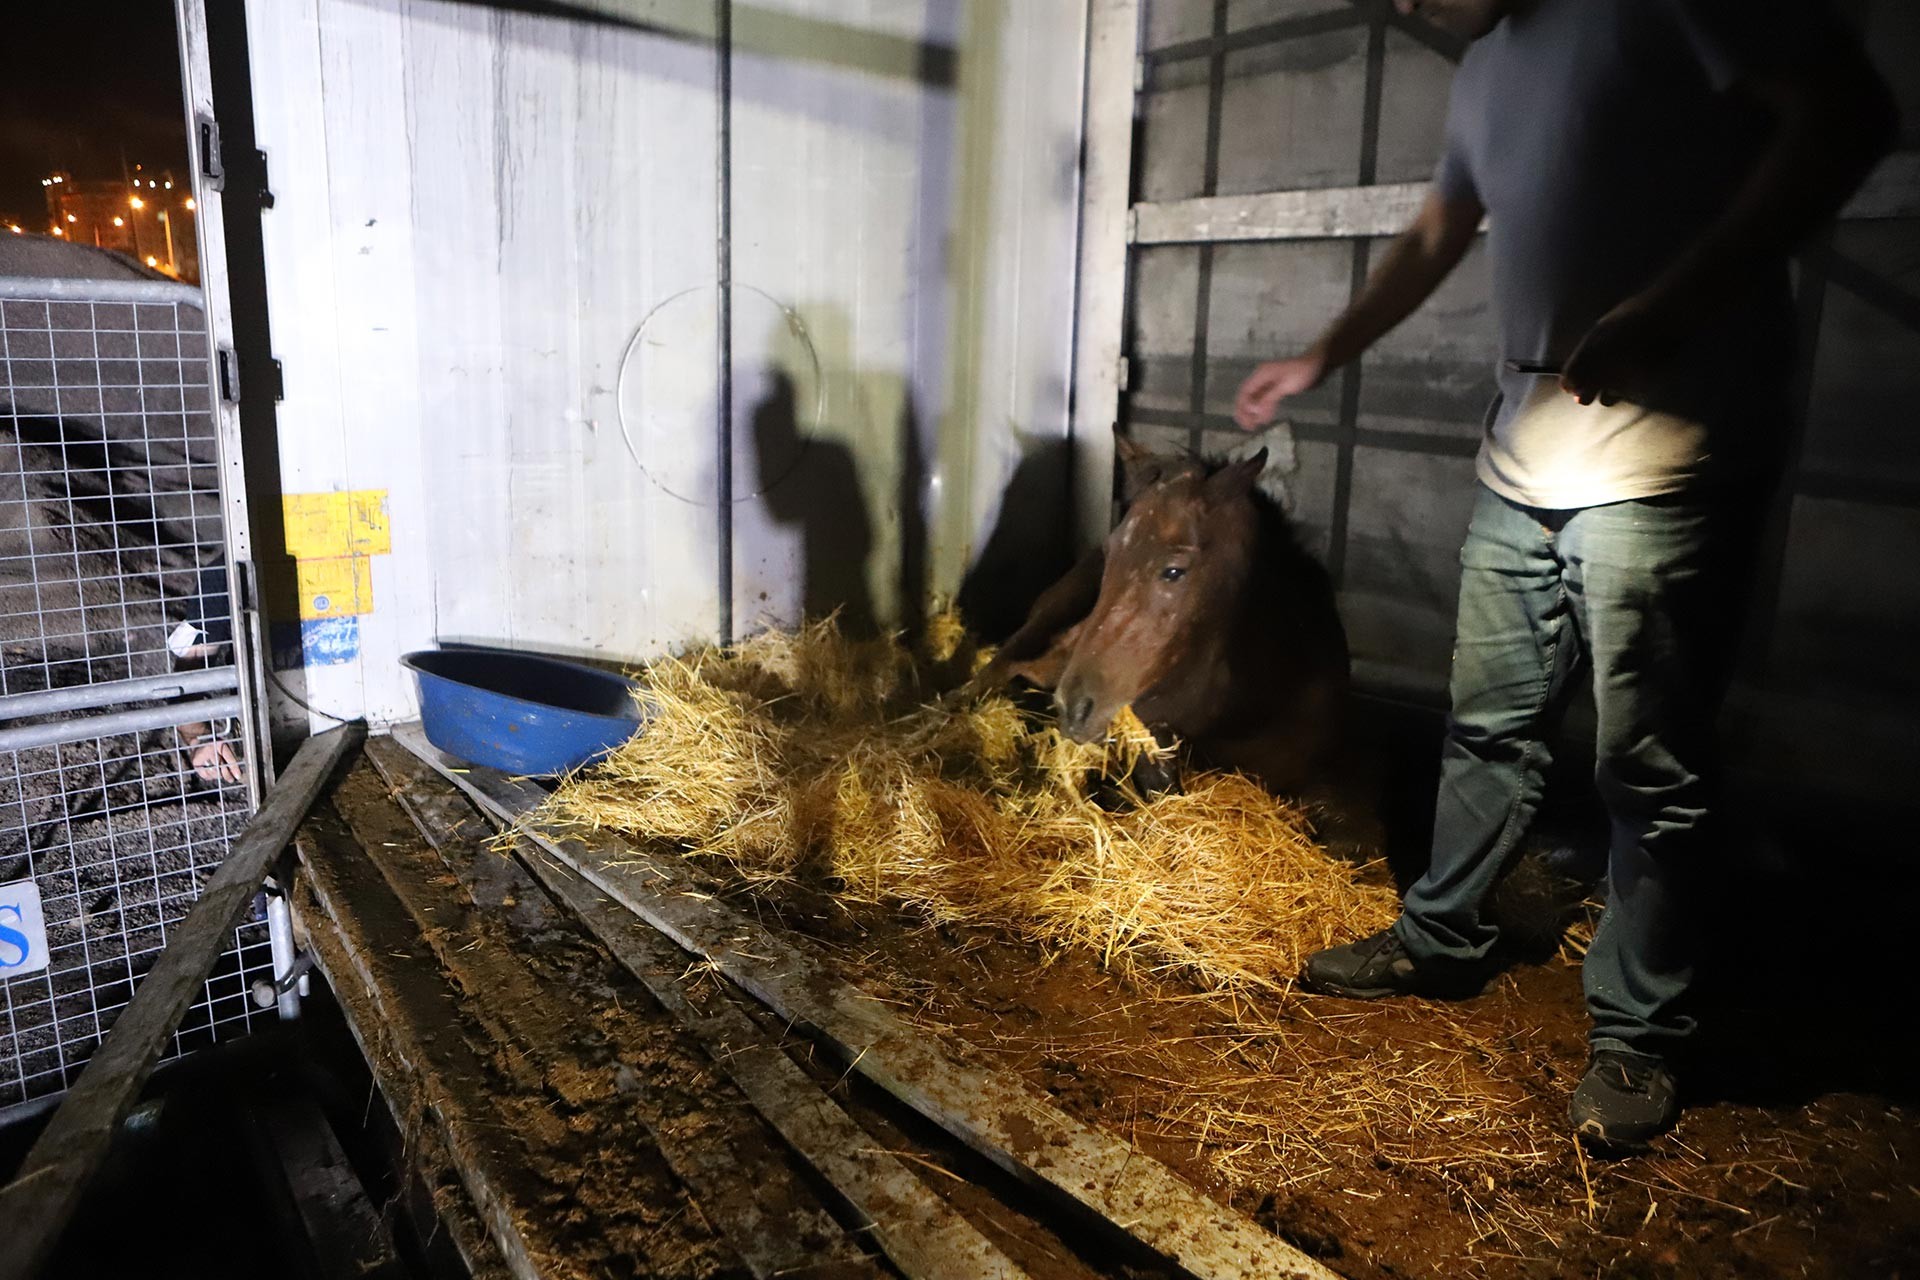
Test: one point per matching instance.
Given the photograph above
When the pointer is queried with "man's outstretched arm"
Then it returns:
(1414, 265)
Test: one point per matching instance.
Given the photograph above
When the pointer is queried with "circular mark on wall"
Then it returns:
(668, 393)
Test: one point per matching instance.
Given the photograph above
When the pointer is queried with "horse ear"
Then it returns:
(1139, 466)
(1235, 480)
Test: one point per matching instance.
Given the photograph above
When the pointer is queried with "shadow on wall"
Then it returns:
(822, 480)
(812, 486)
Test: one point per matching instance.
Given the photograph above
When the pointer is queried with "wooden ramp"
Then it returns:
(889, 1203)
(590, 1132)
(1085, 1171)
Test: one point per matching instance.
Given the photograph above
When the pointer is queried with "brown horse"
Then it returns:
(1204, 614)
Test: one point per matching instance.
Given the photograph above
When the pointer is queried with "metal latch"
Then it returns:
(228, 364)
(265, 193)
(211, 168)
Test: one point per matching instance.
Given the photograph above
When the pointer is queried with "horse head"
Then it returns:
(1176, 569)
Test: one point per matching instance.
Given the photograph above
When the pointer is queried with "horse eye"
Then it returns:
(1172, 573)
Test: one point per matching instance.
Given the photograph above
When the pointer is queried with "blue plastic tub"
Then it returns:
(519, 712)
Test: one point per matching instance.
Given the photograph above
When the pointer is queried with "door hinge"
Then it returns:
(1124, 373)
(245, 589)
(265, 192)
(227, 362)
(207, 137)
(213, 164)
(1139, 75)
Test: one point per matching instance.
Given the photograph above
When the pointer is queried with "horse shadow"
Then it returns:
(1030, 546)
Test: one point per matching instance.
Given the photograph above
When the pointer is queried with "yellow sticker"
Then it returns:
(335, 587)
(344, 523)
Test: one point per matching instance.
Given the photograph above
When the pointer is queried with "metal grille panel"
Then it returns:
(116, 645)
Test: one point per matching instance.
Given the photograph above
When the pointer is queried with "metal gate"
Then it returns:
(126, 735)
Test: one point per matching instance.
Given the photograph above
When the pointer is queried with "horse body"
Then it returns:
(1204, 614)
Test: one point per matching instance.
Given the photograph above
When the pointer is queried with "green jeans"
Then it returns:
(1639, 592)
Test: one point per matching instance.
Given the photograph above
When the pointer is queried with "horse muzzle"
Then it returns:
(1080, 714)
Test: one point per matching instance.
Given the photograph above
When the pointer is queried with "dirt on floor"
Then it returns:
(1406, 1138)
(1395, 1138)
(564, 1158)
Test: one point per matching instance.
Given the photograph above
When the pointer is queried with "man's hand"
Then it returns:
(1261, 394)
(1624, 354)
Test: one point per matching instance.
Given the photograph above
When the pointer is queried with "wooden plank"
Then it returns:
(436, 1176)
(997, 1115)
(925, 1238)
(547, 1156)
(1892, 191)
(741, 1179)
(409, 1029)
(345, 1234)
(1333, 213)
(442, 1215)
(42, 1198)
(1113, 43)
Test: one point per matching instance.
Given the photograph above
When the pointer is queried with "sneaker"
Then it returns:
(1378, 966)
(1625, 1100)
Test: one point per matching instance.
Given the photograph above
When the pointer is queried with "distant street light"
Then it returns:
(14, 227)
(73, 217)
(189, 202)
(152, 261)
(59, 231)
(119, 222)
(137, 203)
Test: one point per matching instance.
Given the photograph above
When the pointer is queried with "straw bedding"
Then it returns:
(858, 764)
(861, 768)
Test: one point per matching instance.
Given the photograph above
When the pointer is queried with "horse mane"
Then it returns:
(1278, 543)
(1280, 552)
(1278, 536)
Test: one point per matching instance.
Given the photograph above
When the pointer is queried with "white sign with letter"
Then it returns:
(23, 932)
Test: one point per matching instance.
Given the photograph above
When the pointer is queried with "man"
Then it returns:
(1646, 167)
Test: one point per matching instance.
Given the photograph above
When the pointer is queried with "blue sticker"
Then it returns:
(329, 642)
(318, 642)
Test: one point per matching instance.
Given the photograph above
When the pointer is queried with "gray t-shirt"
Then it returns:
(1602, 139)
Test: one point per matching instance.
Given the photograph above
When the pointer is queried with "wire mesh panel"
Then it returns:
(120, 713)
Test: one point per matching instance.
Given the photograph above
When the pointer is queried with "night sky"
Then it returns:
(81, 83)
